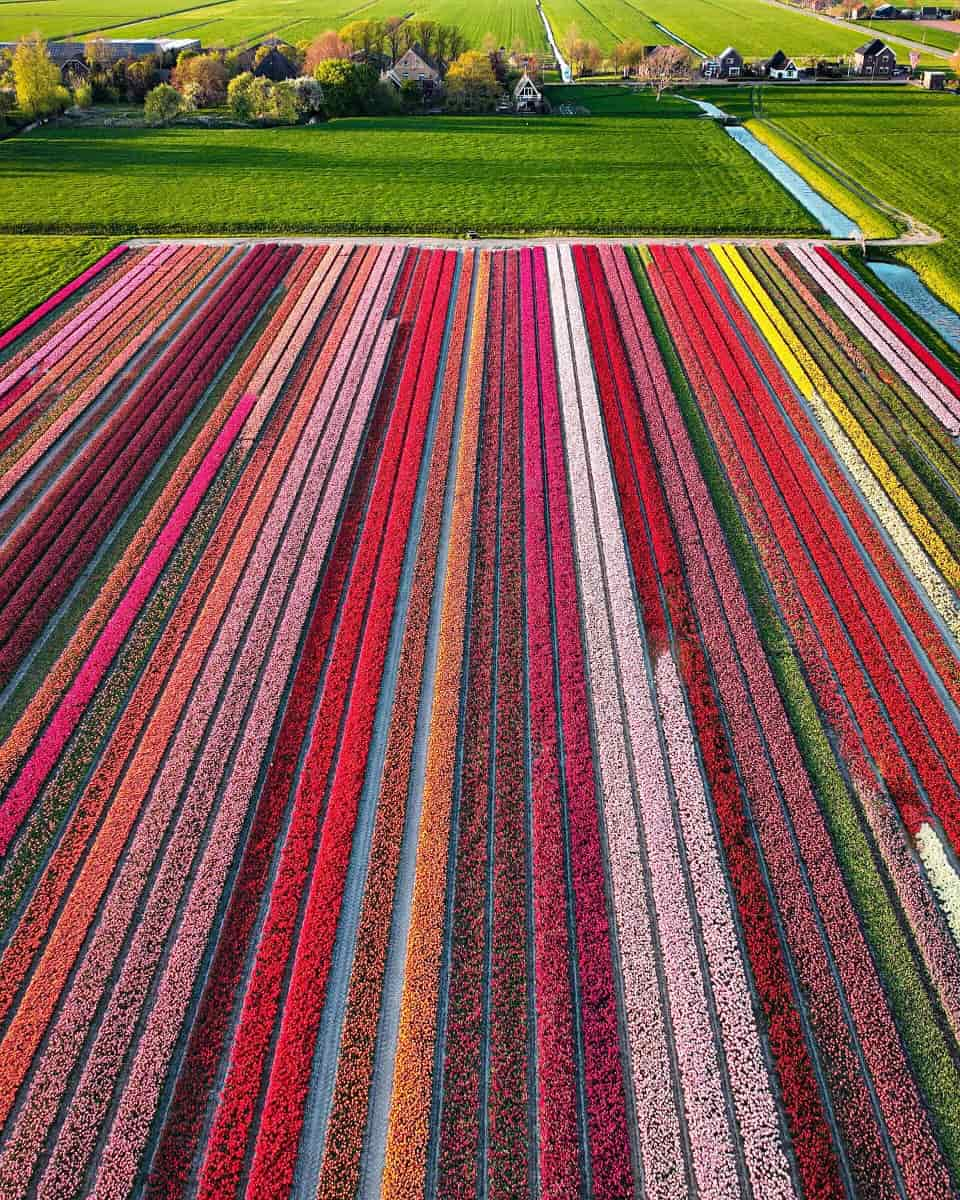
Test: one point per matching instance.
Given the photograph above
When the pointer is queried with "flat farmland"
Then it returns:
(478, 722)
(32, 268)
(901, 144)
(930, 33)
(232, 22)
(429, 175)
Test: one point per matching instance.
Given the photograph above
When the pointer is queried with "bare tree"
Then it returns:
(664, 68)
(628, 55)
(393, 32)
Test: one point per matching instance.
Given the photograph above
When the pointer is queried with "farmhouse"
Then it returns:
(276, 67)
(527, 97)
(779, 67)
(71, 58)
(416, 65)
(886, 12)
(728, 65)
(874, 59)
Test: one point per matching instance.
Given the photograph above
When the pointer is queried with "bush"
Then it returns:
(83, 94)
(350, 89)
(253, 98)
(309, 96)
(209, 75)
(162, 105)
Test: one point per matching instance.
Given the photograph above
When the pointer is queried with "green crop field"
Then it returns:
(755, 27)
(31, 268)
(900, 143)
(674, 174)
(944, 39)
(230, 22)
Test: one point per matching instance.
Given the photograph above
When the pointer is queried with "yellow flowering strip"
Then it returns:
(812, 383)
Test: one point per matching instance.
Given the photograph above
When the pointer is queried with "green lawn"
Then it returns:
(31, 268)
(606, 22)
(902, 144)
(942, 38)
(675, 174)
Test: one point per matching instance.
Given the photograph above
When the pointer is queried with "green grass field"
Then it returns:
(675, 174)
(31, 268)
(901, 144)
(942, 38)
(756, 28)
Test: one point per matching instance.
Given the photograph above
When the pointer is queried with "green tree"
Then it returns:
(36, 79)
(349, 88)
(162, 105)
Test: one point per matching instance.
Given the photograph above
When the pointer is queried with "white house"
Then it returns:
(780, 67)
(527, 97)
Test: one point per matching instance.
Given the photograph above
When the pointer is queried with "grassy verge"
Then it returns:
(919, 1020)
(32, 268)
(872, 224)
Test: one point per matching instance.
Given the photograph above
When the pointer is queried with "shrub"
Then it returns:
(83, 94)
(349, 88)
(308, 96)
(208, 73)
(162, 105)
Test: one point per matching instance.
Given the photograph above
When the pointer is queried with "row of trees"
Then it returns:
(391, 38)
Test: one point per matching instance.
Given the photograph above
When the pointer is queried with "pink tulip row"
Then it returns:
(751, 1094)
(59, 297)
(836, 948)
(912, 370)
(136, 971)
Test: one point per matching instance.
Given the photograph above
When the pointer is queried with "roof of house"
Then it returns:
(425, 58)
(276, 66)
(778, 61)
(522, 81)
(728, 52)
(873, 47)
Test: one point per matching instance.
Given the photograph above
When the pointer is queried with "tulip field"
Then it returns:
(478, 722)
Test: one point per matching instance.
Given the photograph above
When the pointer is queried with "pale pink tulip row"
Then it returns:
(150, 936)
(309, 524)
(713, 1154)
(918, 377)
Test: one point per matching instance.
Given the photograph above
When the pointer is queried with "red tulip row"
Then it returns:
(509, 1071)
(248, 1059)
(468, 980)
(660, 451)
(182, 1128)
(838, 949)
(41, 565)
(904, 689)
(340, 1168)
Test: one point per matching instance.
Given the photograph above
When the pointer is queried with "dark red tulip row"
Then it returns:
(560, 1171)
(837, 953)
(508, 1132)
(460, 1119)
(181, 1131)
(57, 542)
